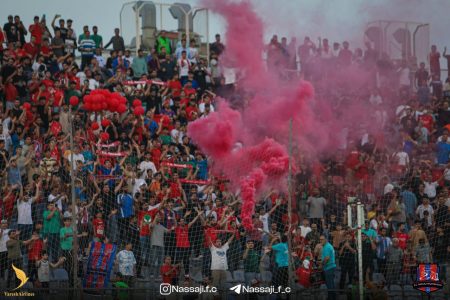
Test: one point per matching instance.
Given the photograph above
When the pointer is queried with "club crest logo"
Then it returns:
(427, 279)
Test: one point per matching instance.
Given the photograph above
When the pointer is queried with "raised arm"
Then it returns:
(117, 188)
(194, 220)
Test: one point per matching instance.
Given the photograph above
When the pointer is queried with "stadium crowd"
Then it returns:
(145, 187)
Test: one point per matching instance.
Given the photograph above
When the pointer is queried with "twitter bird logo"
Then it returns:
(21, 276)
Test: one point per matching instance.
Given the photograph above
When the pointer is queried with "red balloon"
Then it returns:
(74, 101)
(26, 106)
(95, 126)
(104, 136)
(121, 108)
(106, 123)
(139, 111)
(137, 103)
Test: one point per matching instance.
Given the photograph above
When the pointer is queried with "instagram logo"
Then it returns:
(165, 289)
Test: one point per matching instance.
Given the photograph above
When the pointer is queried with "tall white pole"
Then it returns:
(138, 35)
(186, 23)
(360, 216)
(74, 215)
(207, 36)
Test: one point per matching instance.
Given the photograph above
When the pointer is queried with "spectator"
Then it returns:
(51, 230)
(316, 205)
(97, 38)
(169, 272)
(116, 41)
(14, 254)
(383, 243)
(43, 266)
(328, 266)
(423, 252)
(219, 263)
(251, 263)
(433, 57)
(87, 48)
(4, 237)
(182, 241)
(217, 47)
(127, 264)
(347, 258)
(163, 42)
(139, 65)
(66, 234)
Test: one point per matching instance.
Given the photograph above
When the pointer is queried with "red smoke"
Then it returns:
(262, 127)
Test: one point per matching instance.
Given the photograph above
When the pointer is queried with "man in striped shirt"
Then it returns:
(87, 49)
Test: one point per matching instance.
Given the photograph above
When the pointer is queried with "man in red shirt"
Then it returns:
(31, 48)
(145, 218)
(182, 241)
(168, 271)
(435, 66)
(99, 226)
(402, 236)
(36, 30)
(34, 254)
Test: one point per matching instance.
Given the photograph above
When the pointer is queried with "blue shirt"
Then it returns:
(281, 254)
(14, 176)
(88, 157)
(410, 201)
(88, 47)
(370, 233)
(202, 169)
(109, 172)
(443, 151)
(328, 251)
(125, 202)
(152, 125)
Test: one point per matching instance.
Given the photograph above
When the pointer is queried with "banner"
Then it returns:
(179, 166)
(115, 144)
(136, 82)
(111, 154)
(99, 265)
(199, 182)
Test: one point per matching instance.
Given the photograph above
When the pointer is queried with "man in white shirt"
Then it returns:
(127, 264)
(77, 157)
(146, 165)
(430, 187)
(24, 218)
(305, 228)
(219, 262)
(264, 218)
(56, 197)
(184, 66)
(3, 250)
(425, 206)
(100, 59)
(176, 133)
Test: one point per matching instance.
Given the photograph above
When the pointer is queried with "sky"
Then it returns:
(338, 20)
